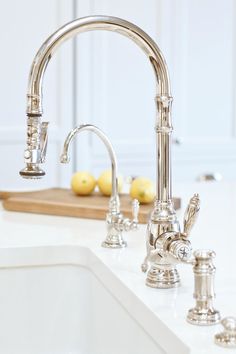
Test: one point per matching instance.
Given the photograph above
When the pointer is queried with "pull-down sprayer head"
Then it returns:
(35, 154)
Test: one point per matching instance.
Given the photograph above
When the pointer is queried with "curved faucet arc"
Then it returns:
(89, 127)
(92, 23)
(115, 221)
(33, 156)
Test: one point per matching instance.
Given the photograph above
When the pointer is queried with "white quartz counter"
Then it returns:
(30, 239)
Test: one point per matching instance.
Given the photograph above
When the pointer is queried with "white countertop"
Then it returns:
(30, 239)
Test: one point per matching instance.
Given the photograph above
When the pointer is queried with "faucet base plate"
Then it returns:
(114, 245)
(203, 317)
(114, 239)
(163, 277)
(32, 171)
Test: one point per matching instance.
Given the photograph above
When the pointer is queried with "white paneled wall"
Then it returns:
(121, 89)
(203, 77)
(105, 79)
(198, 41)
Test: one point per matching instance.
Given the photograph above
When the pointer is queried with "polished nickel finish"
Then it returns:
(166, 245)
(204, 270)
(163, 97)
(227, 338)
(116, 223)
(37, 138)
(167, 248)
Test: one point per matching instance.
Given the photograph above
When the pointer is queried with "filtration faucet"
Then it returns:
(166, 245)
(116, 223)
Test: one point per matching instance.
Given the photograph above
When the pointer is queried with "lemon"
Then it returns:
(83, 183)
(142, 189)
(105, 183)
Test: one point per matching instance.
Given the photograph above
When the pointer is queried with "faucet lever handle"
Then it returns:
(127, 224)
(191, 214)
(135, 210)
(44, 140)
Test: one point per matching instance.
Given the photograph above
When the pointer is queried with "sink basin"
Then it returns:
(65, 309)
(61, 292)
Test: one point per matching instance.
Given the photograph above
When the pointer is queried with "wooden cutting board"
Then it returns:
(63, 202)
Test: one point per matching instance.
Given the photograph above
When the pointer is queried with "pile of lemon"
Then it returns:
(84, 183)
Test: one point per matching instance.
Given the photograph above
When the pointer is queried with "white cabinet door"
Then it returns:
(115, 86)
(119, 89)
(24, 25)
(204, 78)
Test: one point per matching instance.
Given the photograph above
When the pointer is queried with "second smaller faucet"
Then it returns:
(116, 222)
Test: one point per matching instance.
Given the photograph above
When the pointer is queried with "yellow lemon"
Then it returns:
(83, 183)
(142, 189)
(105, 183)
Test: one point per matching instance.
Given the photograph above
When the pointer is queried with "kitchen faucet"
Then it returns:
(116, 223)
(166, 245)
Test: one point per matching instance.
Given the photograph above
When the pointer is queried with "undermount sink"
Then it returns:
(62, 293)
(65, 309)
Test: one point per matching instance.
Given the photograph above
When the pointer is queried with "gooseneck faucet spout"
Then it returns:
(35, 94)
(92, 128)
(116, 223)
(163, 231)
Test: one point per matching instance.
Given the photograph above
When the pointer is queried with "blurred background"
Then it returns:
(105, 79)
